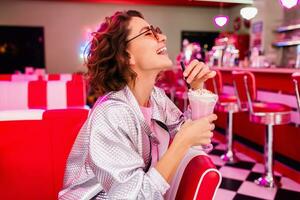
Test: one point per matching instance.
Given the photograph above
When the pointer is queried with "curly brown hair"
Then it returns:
(107, 58)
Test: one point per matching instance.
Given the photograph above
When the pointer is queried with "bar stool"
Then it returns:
(269, 114)
(296, 79)
(167, 81)
(227, 104)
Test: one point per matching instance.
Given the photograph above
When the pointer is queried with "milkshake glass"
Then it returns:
(202, 103)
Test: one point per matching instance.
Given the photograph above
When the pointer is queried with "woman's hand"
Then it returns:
(196, 73)
(197, 132)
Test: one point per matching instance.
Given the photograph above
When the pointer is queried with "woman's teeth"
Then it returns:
(162, 51)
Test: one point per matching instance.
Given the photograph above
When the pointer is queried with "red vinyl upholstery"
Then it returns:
(5, 77)
(53, 77)
(37, 94)
(227, 98)
(200, 180)
(41, 94)
(269, 107)
(63, 126)
(215, 85)
(34, 153)
(76, 92)
(172, 82)
(25, 161)
(296, 79)
(241, 90)
(245, 80)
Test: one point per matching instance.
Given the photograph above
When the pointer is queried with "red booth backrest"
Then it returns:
(5, 77)
(42, 94)
(37, 94)
(33, 154)
(64, 126)
(200, 180)
(25, 161)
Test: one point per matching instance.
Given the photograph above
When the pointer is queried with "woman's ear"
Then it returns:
(131, 58)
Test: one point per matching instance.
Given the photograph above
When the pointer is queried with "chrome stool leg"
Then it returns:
(229, 156)
(267, 180)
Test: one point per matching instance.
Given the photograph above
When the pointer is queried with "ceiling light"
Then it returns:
(230, 1)
(221, 20)
(248, 12)
(289, 3)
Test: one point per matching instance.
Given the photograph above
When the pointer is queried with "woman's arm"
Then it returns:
(191, 133)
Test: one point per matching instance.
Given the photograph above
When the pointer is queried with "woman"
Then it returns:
(122, 150)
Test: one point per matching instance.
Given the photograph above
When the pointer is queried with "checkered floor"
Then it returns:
(238, 180)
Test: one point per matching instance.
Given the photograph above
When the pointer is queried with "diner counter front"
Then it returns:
(273, 85)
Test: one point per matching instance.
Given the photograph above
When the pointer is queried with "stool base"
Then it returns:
(229, 157)
(267, 181)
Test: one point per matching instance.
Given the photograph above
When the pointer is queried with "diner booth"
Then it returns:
(252, 45)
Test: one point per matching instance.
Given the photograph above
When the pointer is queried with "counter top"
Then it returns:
(266, 70)
(278, 80)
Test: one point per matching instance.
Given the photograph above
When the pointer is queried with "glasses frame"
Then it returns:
(151, 28)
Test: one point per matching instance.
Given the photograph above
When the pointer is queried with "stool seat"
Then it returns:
(227, 103)
(270, 107)
(227, 107)
(270, 113)
(224, 98)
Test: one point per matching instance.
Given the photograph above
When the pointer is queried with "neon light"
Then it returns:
(221, 20)
(289, 3)
(248, 12)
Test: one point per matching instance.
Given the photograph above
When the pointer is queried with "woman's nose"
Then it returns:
(162, 37)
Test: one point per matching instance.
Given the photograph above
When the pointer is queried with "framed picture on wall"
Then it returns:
(21, 46)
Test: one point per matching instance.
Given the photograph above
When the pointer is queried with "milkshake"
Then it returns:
(202, 103)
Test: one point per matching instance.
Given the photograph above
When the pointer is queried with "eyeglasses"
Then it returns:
(155, 32)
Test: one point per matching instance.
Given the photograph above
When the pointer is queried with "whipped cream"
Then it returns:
(201, 92)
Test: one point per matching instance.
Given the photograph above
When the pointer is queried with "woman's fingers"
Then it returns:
(208, 75)
(203, 72)
(206, 123)
(190, 68)
(198, 131)
(195, 70)
(194, 73)
(212, 127)
(208, 119)
(198, 72)
(211, 118)
(206, 138)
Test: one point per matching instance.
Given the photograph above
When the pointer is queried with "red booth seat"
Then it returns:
(34, 153)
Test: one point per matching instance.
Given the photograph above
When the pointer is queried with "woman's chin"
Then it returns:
(169, 63)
